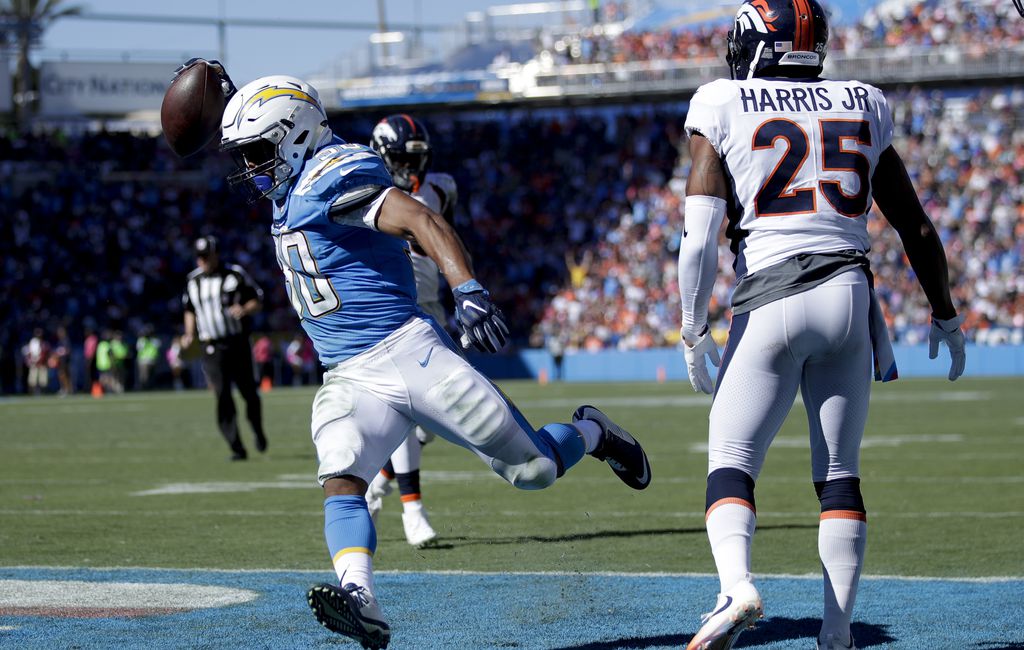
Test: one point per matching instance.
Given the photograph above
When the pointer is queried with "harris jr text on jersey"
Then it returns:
(852, 97)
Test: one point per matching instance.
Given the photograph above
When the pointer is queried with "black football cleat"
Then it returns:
(619, 449)
(351, 611)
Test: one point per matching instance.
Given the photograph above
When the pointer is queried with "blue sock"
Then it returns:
(351, 537)
(564, 442)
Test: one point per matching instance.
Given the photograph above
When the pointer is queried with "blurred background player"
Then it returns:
(340, 230)
(404, 144)
(219, 302)
(36, 354)
(805, 315)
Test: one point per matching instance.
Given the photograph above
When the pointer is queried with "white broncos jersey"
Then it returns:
(800, 154)
(437, 192)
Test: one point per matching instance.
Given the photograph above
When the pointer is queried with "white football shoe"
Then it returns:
(351, 611)
(831, 643)
(737, 609)
(418, 530)
(379, 488)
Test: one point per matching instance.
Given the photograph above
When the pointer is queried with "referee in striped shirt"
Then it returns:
(219, 301)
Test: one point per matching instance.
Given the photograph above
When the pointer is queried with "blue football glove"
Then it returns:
(226, 84)
(481, 322)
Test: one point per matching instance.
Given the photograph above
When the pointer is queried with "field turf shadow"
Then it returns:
(772, 630)
(453, 541)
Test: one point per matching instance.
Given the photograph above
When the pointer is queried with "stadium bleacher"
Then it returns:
(583, 203)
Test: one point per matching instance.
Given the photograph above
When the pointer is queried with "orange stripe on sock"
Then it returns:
(843, 514)
(406, 498)
(735, 500)
(386, 474)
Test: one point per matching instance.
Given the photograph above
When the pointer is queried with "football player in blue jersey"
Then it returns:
(340, 230)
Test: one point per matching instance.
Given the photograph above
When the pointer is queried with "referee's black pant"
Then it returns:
(226, 362)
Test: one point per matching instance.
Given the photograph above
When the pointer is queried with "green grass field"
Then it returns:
(143, 480)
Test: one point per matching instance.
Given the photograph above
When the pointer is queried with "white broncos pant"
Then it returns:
(816, 341)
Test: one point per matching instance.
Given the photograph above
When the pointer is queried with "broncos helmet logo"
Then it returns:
(757, 15)
(385, 132)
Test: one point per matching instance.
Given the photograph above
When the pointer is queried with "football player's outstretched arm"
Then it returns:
(706, 192)
(482, 323)
(894, 193)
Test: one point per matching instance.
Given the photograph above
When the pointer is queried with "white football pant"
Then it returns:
(369, 404)
(816, 341)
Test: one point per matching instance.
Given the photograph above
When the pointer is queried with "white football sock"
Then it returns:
(407, 457)
(591, 433)
(731, 532)
(412, 505)
(841, 545)
(356, 567)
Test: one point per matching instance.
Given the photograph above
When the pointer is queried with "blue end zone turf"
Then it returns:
(533, 611)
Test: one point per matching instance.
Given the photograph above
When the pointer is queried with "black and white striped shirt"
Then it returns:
(208, 296)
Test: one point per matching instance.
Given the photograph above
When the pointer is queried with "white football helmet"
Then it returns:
(271, 126)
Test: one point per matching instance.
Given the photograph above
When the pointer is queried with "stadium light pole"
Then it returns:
(222, 35)
(382, 27)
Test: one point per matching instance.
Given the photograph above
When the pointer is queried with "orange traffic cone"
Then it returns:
(661, 374)
(266, 385)
(542, 376)
(97, 389)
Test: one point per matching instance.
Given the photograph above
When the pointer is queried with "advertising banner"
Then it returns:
(97, 88)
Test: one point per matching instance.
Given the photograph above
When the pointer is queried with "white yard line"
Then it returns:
(523, 514)
(455, 572)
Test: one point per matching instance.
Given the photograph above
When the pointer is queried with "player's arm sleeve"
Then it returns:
(698, 261)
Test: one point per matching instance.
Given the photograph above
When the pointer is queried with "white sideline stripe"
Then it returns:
(703, 400)
(299, 481)
(622, 514)
(458, 572)
(799, 442)
(82, 409)
(557, 402)
(132, 595)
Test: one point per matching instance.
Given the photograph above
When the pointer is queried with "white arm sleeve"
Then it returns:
(698, 260)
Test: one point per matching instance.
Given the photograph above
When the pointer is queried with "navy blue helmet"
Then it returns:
(778, 38)
(404, 144)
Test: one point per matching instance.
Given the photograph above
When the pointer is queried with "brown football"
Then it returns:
(192, 107)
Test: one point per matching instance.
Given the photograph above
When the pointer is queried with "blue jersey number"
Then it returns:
(311, 293)
(775, 199)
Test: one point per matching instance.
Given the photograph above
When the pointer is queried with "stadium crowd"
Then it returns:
(577, 238)
(975, 27)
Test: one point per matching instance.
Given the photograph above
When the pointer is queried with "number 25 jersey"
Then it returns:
(799, 154)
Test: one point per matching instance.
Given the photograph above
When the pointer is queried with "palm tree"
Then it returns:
(30, 19)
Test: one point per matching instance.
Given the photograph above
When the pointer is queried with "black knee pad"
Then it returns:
(840, 494)
(729, 483)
